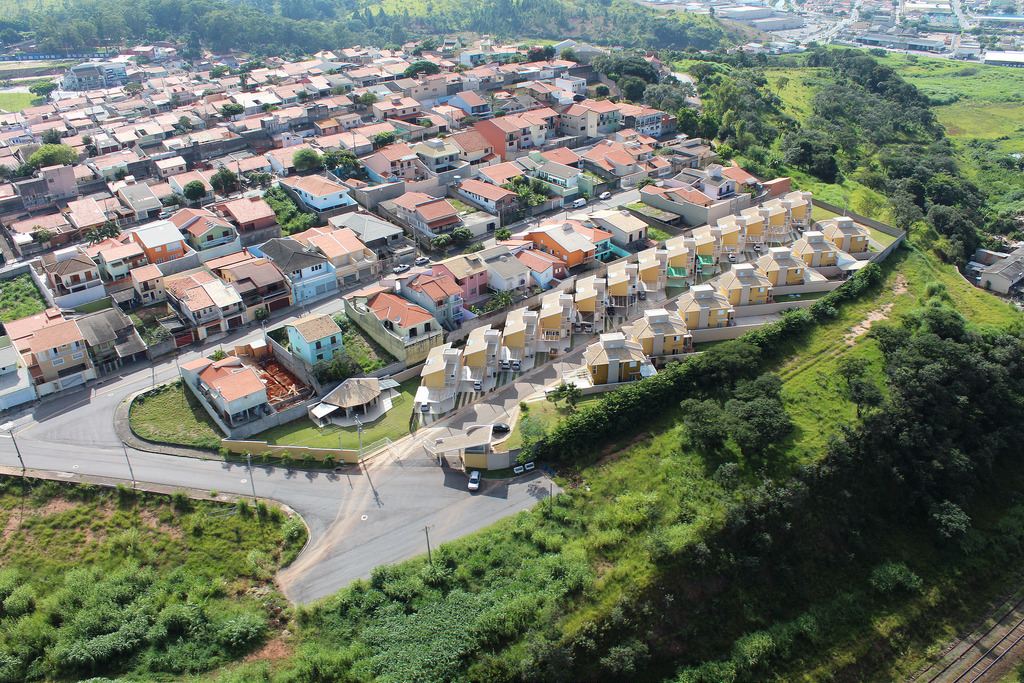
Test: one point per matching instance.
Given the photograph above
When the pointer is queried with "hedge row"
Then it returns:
(579, 437)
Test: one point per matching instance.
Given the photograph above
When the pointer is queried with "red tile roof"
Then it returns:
(387, 306)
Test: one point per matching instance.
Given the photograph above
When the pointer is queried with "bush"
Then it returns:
(21, 601)
(894, 577)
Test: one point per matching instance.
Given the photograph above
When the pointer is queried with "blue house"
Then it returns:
(310, 273)
(314, 338)
(471, 103)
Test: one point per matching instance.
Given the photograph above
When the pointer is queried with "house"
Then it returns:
(710, 181)
(468, 272)
(203, 229)
(72, 274)
(509, 135)
(439, 380)
(314, 338)
(437, 294)
(258, 281)
(743, 285)
(566, 241)
(358, 397)
(614, 359)
(318, 194)
(115, 257)
(148, 283)
(310, 273)
(401, 108)
(624, 285)
(427, 214)
(57, 357)
(234, 390)
(403, 329)
(15, 384)
(853, 238)
(782, 266)
(179, 181)
(704, 306)
(493, 199)
(438, 155)
(352, 260)
(626, 229)
(85, 214)
(815, 250)
(395, 162)
(505, 273)
(481, 356)
(111, 338)
(473, 147)
(519, 338)
(1003, 275)
(590, 119)
(554, 322)
(472, 104)
(161, 241)
(501, 174)
(170, 166)
(207, 304)
(544, 268)
(629, 162)
(591, 300)
(249, 214)
(682, 258)
(652, 269)
(144, 204)
(695, 207)
(661, 334)
(377, 234)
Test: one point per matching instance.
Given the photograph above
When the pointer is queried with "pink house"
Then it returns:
(469, 271)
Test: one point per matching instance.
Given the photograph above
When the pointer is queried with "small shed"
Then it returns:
(362, 398)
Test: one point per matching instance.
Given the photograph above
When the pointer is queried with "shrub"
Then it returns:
(20, 601)
(892, 577)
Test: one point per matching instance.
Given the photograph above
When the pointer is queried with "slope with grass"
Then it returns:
(19, 297)
(96, 582)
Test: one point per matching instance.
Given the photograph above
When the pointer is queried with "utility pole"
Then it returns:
(359, 429)
(18, 452)
(426, 530)
(130, 470)
(248, 460)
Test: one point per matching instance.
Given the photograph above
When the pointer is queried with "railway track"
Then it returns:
(979, 657)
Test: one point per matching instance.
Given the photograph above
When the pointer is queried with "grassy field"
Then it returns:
(544, 414)
(19, 297)
(174, 415)
(96, 580)
(394, 425)
(16, 101)
(94, 306)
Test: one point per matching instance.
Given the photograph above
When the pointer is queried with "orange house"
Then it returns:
(161, 242)
(566, 242)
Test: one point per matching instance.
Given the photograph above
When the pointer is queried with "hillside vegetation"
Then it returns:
(306, 26)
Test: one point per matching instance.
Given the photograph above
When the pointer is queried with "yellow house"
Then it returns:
(681, 257)
(661, 333)
(623, 284)
(480, 355)
(798, 208)
(706, 248)
(742, 285)
(615, 358)
(752, 224)
(704, 306)
(728, 235)
(815, 250)
(845, 234)
(591, 298)
(519, 336)
(652, 265)
(776, 227)
(555, 319)
(782, 267)
(443, 367)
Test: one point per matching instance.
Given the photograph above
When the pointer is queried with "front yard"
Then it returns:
(20, 298)
(171, 414)
(393, 426)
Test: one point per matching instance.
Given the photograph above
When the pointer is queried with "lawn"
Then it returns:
(16, 101)
(182, 585)
(544, 414)
(393, 426)
(174, 415)
(657, 235)
(94, 306)
(361, 348)
(19, 297)
(461, 207)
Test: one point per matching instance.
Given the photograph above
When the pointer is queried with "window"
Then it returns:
(77, 356)
(57, 361)
(319, 356)
(319, 345)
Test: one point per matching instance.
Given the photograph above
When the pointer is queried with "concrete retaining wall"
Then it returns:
(808, 288)
(723, 333)
(241, 447)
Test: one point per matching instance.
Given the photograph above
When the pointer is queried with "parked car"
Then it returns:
(400, 268)
(605, 195)
(422, 260)
(732, 258)
(500, 427)
(474, 480)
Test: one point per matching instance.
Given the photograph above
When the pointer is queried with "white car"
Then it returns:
(474, 480)
(401, 268)
(605, 195)
(422, 260)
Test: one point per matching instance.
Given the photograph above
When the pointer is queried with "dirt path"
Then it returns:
(877, 315)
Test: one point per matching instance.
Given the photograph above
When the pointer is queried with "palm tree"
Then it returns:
(503, 299)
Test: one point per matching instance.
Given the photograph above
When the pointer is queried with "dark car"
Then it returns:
(500, 427)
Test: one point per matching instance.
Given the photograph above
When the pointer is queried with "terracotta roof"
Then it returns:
(318, 186)
(53, 336)
(738, 174)
(387, 306)
(538, 261)
(143, 273)
(239, 384)
(486, 190)
(437, 287)
(315, 327)
(23, 328)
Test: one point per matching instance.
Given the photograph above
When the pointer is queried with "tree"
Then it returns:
(307, 160)
(53, 155)
(502, 234)
(441, 241)
(383, 138)
(644, 182)
(52, 137)
(343, 159)
(367, 99)
(602, 90)
(569, 55)
(705, 424)
(633, 88)
(462, 234)
(194, 191)
(133, 88)
(231, 109)
(185, 123)
(43, 89)
(421, 67)
(42, 236)
(224, 181)
(502, 299)
(108, 230)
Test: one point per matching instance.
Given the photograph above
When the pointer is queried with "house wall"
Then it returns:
(411, 352)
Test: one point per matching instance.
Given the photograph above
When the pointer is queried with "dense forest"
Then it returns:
(306, 26)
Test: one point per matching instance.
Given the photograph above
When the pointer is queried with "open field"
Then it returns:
(16, 101)
(394, 425)
(19, 297)
(174, 415)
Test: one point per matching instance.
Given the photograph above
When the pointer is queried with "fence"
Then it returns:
(880, 256)
(240, 447)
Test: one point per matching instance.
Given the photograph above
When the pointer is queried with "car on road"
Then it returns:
(732, 258)
(605, 195)
(500, 427)
(474, 480)
(400, 268)
(422, 260)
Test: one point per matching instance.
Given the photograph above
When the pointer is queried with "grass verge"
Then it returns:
(172, 414)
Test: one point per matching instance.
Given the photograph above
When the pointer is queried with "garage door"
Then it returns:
(278, 304)
(73, 381)
(235, 322)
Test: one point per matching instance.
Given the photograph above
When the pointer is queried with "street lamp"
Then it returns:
(10, 433)
(130, 470)
(359, 430)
